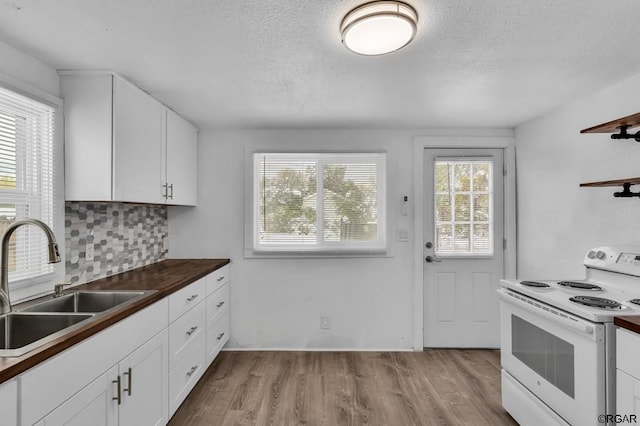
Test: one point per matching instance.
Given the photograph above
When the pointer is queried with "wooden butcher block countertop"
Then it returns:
(631, 323)
(165, 277)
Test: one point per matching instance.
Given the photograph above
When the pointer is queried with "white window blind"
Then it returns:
(319, 202)
(463, 206)
(26, 180)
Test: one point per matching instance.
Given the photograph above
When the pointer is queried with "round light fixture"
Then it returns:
(379, 27)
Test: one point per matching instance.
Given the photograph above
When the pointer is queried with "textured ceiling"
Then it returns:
(280, 64)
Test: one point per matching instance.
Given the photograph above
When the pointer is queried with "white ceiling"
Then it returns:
(280, 64)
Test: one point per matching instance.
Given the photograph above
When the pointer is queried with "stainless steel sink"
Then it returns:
(22, 332)
(40, 321)
(86, 301)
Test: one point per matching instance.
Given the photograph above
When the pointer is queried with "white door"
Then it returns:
(463, 246)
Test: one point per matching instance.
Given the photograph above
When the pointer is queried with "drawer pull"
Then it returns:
(192, 330)
(193, 370)
(221, 278)
(220, 336)
(220, 304)
(118, 396)
(193, 297)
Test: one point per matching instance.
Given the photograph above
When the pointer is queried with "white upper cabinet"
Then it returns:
(181, 157)
(123, 145)
(137, 144)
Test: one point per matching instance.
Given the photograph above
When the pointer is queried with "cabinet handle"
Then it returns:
(118, 396)
(129, 375)
(193, 370)
(221, 278)
(220, 336)
(192, 330)
(220, 304)
(165, 195)
(171, 194)
(189, 299)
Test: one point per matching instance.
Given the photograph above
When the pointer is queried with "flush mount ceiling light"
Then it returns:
(379, 27)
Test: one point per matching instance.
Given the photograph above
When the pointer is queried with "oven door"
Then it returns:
(558, 357)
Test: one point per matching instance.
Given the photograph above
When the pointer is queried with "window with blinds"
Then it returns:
(463, 207)
(319, 202)
(26, 180)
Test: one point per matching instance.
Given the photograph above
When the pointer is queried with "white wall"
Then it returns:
(557, 220)
(277, 303)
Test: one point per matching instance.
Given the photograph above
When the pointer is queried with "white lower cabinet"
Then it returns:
(93, 405)
(143, 384)
(628, 394)
(186, 341)
(136, 372)
(628, 373)
(130, 393)
(9, 402)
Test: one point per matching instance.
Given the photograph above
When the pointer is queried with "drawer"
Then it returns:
(218, 278)
(217, 335)
(186, 374)
(185, 330)
(627, 350)
(186, 298)
(218, 302)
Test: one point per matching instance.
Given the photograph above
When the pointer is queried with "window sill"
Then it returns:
(321, 254)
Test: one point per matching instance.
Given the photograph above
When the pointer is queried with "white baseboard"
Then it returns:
(314, 350)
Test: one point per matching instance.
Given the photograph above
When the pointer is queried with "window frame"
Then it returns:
(325, 248)
(27, 288)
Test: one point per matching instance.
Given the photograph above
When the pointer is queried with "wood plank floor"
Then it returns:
(434, 387)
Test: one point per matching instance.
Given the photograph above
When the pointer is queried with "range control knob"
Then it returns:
(601, 255)
(591, 254)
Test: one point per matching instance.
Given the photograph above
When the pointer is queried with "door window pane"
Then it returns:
(463, 195)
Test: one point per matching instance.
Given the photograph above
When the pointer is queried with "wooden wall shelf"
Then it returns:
(625, 183)
(621, 125)
(616, 182)
(614, 126)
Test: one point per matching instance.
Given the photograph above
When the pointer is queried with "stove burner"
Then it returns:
(534, 284)
(596, 302)
(579, 285)
(635, 301)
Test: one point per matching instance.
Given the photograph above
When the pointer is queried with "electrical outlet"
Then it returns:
(89, 254)
(325, 323)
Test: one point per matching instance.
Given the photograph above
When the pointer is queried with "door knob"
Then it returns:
(431, 259)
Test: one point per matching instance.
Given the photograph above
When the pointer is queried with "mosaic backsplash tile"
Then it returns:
(124, 237)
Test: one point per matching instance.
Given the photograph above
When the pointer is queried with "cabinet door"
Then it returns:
(93, 405)
(181, 160)
(144, 380)
(9, 402)
(627, 394)
(137, 145)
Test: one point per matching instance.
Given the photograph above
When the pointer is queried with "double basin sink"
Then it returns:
(43, 321)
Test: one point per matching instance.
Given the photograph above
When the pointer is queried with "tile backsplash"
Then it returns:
(124, 237)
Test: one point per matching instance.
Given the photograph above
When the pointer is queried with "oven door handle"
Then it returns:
(547, 312)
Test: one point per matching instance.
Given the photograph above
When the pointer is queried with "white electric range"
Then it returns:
(558, 339)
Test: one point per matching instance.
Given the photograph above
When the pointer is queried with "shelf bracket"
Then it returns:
(626, 192)
(625, 135)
